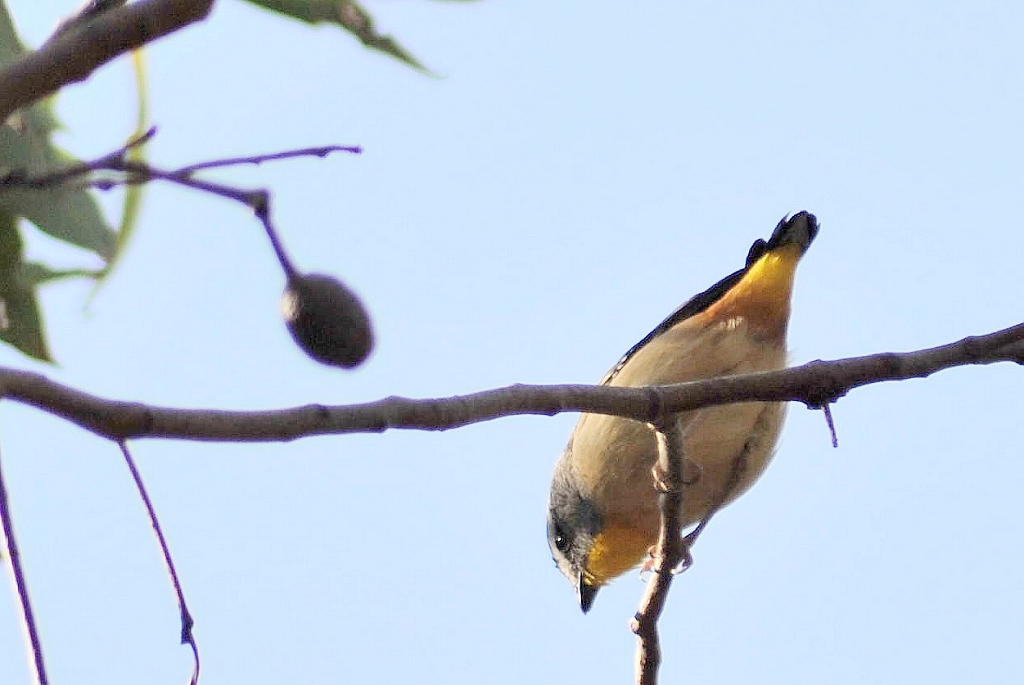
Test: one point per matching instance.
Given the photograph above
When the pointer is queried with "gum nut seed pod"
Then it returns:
(327, 320)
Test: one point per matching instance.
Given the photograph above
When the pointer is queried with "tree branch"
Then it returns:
(73, 53)
(670, 552)
(815, 384)
(28, 621)
(129, 172)
(187, 637)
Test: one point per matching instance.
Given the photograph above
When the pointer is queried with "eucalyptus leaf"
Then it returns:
(10, 45)
(132, 205)
(65, 212)
(21, 324)
(35, 273)
(347, 14)
(68, 213)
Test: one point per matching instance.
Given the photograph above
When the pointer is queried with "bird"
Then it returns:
(603, 514)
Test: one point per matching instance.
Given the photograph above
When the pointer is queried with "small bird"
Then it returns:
(603, 512)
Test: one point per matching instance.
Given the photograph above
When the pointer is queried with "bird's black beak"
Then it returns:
(587, 593)
(799, 229)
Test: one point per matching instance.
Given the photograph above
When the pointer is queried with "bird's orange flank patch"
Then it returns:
(762, 295)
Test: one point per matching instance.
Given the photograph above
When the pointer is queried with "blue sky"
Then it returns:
(576, 172)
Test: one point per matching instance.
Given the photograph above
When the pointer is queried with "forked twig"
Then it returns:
(122, 171)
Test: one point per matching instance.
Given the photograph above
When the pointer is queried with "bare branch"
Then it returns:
(90, 10)
(814, 384)
(322, 151)
(135, 173)
(827, 411)
(21, 585)
(130, 172)
(74, 52)
(187, 637)
(670, 552)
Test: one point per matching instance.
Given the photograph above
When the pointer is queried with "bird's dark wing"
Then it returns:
(695, 305)
(802, 227)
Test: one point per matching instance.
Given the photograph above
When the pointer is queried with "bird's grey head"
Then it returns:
(573, 521)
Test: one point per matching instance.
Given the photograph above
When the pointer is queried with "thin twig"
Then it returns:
(826, 409)
(187, 638)
(274, 156)
(813, 384)
(20, 179)
(134, 173)
(670, 550)
(21, 587)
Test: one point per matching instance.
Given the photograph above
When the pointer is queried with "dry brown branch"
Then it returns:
(670, 551)
(671, 554)
(76, 51)
(814, 384)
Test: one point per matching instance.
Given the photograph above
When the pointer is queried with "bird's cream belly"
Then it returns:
(620, 453)
(714, 439)
(603, 513)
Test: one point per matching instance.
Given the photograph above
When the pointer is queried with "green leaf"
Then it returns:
(132, 204)
(133, 194)
(347, 14)
(67, 213)
(20, 322)
(10, 45)
(35, 273)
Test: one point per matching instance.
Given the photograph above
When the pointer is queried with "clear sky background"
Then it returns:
(577, 171)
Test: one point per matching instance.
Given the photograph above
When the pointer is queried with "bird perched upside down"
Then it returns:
(603, 509)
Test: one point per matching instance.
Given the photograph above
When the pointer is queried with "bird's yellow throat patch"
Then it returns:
(616, 549)
(761, 298)
(762, 295)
